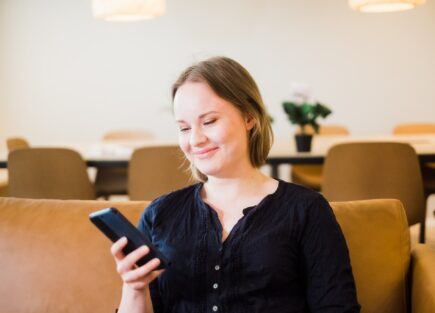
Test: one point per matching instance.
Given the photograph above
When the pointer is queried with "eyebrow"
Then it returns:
(200, 117)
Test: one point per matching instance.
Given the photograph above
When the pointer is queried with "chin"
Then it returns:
(207, 170)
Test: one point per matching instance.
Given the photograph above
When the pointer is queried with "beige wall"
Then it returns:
(66, 76)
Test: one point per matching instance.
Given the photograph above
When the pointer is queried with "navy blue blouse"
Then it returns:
(286, 254)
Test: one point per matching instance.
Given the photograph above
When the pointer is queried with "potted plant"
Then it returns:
(305, 113)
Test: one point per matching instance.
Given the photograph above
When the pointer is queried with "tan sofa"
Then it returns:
(52, 259)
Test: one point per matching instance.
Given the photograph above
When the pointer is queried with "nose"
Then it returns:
(197, 137)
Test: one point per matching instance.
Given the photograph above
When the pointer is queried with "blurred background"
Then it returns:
(66, 75)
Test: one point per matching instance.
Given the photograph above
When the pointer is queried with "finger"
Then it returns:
(130, 260)
(116, 248)
(154, 274)
(141, 272)
(141, 284)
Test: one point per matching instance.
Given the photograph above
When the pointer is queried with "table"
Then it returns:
(285, 153)
(118, 153)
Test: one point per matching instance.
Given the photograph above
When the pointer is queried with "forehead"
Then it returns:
(195, 98)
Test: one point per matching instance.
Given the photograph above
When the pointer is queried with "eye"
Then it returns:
(184, 129)
(209, 122)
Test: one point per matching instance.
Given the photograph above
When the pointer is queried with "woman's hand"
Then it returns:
(137, 278)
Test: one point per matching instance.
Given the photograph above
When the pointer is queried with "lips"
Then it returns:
(203, 153)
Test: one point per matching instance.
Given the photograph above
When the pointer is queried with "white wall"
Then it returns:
(66, 76)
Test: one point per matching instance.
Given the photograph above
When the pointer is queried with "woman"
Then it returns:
(239, 241)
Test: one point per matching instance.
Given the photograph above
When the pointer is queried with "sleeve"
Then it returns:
(145, 226)
(325, 259)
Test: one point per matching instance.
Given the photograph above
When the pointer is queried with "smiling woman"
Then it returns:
(239, 241)
(212, 131)
(221, 84)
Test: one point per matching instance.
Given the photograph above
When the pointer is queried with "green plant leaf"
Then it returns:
(306, 113)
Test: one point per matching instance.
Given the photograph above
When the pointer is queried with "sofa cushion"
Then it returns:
(53, 259)
(377, 236)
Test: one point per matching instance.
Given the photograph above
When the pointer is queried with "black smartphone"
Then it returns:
(115, 225)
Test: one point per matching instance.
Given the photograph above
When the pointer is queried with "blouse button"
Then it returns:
(217, 267)
(215, 286)
(215, 308)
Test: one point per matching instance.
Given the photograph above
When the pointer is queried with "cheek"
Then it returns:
(222, 134)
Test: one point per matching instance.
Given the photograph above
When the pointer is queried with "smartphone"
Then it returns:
(115, 225)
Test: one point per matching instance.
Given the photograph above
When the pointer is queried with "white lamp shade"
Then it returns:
(127, 10)
(383, 5)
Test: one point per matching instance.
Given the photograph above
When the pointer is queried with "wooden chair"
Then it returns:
(128, 134)
(113, 180)
(376, 170)
(416, 128)
(428, 169)
(311, 175)
(48, 173)
(157, 170)
(13, 143)
(16, 143)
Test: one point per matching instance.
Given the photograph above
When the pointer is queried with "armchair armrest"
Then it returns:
(423, 279)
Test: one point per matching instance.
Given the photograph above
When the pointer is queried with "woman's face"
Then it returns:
(213, 134)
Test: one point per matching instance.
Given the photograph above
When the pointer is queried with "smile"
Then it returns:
(204, 152)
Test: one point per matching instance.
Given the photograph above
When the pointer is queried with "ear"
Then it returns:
(250, 122)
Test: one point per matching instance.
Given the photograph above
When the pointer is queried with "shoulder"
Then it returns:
(166, 204)
(298, 196)
(301, 204)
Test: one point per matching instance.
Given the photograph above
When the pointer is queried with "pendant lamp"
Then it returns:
(127, 10)
(383, 5)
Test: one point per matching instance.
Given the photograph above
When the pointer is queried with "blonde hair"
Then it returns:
(233, 83)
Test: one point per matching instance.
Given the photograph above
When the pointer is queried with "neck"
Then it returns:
(234, 187)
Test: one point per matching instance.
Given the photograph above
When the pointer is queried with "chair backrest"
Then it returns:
(128, 134)
(311, 175)
(156, 170)
(375, 170)
(48, 173)
(377, 236)
(417, 128)
(16, 143)
(327, 130)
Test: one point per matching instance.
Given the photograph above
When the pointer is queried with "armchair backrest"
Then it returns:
(377, 236)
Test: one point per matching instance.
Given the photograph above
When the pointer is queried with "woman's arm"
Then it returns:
(135, 291)
(328, 272)
(134, 301)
